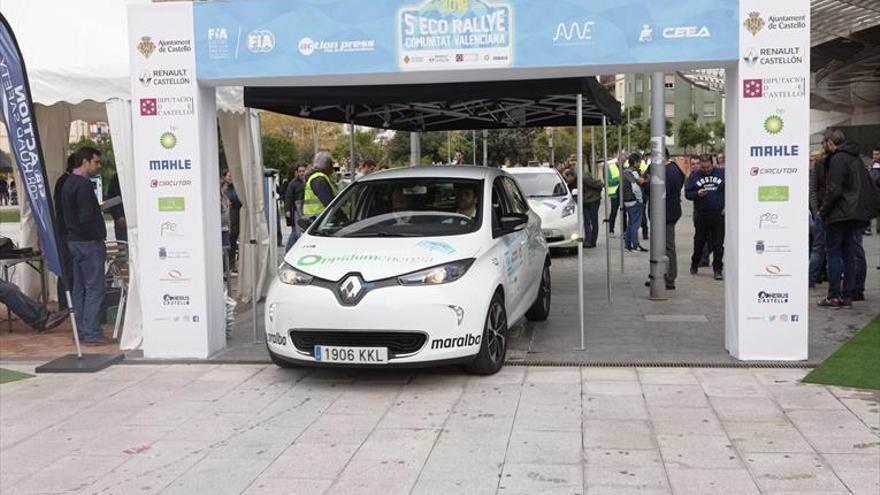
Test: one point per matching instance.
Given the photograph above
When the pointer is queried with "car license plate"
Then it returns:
(351, 355)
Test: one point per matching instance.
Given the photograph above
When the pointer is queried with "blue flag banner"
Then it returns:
(18, 113)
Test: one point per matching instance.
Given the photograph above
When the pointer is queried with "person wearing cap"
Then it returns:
(320, 187)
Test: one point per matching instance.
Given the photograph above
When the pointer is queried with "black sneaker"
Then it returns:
(640, 248)
(670, 286)
(694, 269)
(846, 303)
(858, 297)
(99, 340)
(719, 276)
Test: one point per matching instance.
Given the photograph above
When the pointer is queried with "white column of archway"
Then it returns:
(767, 176)
(176, 179)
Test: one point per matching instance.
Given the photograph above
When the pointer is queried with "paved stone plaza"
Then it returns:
(254, 429)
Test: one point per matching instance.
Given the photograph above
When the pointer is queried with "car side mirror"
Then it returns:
(514, 222)
(306, 222)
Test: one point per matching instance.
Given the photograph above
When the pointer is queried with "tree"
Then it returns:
(279, 153)
(564, 144)
(365, 146)
(690, 133)
(508, 146)
(635, 132)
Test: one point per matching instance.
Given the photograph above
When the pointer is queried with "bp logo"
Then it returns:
(168, 140)
(754, 24)
(774, 124)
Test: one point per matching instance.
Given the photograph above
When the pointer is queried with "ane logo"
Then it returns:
(575, 31)
(453, 342)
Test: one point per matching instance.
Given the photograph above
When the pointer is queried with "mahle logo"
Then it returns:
(773, 194)
(774, 124)
(168, 140)
(174, 203)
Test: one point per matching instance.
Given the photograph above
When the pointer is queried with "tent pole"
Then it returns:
(580, 211)
(250, 182)
(448, 146)
(474, 138)
(485, 148)
(351, 152)
(658, 191)
(607, 209)
(622, 212)
(72, 315)
(415, 149)
(552, 147)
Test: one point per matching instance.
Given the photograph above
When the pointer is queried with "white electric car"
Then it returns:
(412, 266)
(550, 199)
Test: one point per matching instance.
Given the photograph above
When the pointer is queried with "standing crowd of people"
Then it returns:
(844, 197)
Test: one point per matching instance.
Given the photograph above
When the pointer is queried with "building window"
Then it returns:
(709, 109)
(669, 81)
(629, 86)
(670, 110)
(639, 86)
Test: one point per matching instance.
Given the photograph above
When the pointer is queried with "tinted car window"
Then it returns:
(414, 207)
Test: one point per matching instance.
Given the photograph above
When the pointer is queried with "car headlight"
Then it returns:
(442, 274)
(570, 209)
(291, 276)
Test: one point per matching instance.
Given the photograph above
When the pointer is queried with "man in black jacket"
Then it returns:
(845, 211)
(674, 183)
(591, 191)
(293, 198)
(86, 232)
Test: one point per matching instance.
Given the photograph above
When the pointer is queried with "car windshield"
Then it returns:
(415, 207)
(541, 185)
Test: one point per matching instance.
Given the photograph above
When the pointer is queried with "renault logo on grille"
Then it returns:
(351, 289)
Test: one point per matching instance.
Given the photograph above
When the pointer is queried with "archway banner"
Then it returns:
(278, 38)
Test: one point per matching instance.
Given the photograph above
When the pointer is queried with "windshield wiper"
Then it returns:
(380, 233)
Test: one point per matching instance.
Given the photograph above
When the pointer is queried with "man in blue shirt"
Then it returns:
(705, 187)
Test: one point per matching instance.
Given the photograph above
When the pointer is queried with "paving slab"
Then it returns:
(526, 430)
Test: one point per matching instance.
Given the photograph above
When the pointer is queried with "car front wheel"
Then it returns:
(540, 309)
(494, 346)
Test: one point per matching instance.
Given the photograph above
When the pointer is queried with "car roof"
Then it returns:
(530, 170)
(443, 171)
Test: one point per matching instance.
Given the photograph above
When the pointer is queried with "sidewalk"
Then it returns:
(253, 429)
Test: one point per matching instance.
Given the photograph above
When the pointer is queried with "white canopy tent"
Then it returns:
(77, 60)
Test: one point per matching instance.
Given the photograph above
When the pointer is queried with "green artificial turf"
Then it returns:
(856, 364)
(7, 376)
(10, 216)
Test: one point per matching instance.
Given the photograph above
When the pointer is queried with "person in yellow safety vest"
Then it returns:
(613, 185)
(320, 186)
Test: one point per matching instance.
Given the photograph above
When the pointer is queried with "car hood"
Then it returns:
(332, 258)
(548, 207)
